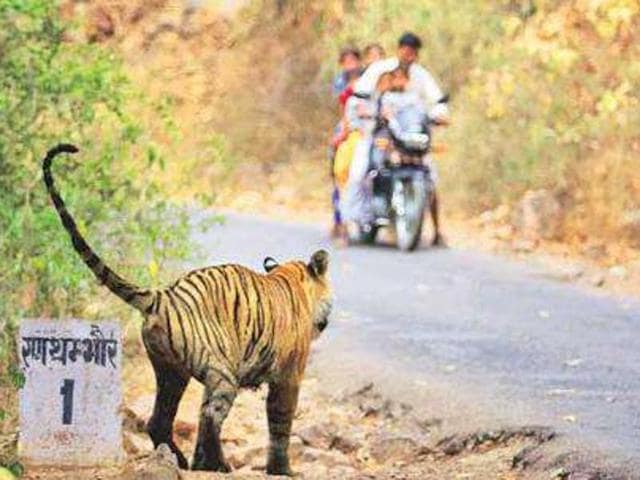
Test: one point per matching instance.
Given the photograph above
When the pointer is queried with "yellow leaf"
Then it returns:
(511, 25)
(153, 269)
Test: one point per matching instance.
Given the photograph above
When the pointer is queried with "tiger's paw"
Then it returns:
(278, 464)
(286, 471)
(202, 463)
(221, 467)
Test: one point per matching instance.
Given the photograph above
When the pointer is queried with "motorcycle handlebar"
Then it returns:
(440, 122)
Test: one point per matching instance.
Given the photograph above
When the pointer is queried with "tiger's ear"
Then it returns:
(269, 264)
(319, 263)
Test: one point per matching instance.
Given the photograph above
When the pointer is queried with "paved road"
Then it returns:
(493, 333)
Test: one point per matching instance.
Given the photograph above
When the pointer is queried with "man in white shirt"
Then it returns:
(420, 80)
(357, 204)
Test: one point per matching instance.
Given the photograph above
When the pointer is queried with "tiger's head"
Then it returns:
(315, 283)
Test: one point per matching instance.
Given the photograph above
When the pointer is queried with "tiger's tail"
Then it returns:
(142, 299)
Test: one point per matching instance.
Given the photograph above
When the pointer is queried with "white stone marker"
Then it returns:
(69, 406)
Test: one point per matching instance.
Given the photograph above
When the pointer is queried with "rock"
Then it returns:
(136, 444)
(329, 458)
(131, 422)
(345, 444)
(618, 271)
(595, 250)
(504, 232)
(342, 472)
(142, 407)
(452, 445)
(319, 435)
(455, 444)
(485, 218)
(395, 410)
(161, 464)
(324, 436)
(567, 272)
(385, 448)
(296, 448)
(524, 246)
(348, 394)
(593, 475)
(526, 457)
(597, 280)
(428, 424)
(8, 445)
(501, 214)
(101, 25)
(491, 217)
(372, 405)
(249, 456)
(538, 215)
(630, 226)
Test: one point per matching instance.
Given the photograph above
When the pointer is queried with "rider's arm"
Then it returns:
(430, 91)
(366, 84)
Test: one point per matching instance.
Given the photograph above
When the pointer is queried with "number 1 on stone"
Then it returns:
(67, 401)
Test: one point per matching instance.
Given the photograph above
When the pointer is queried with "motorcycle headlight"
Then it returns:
(417, 141)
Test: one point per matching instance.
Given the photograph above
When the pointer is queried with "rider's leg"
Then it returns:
(435, 218)
(434, 204)
(337, 216)
(356, 206)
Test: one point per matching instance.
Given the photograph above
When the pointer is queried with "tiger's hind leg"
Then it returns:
(170, 386)
(281, 407)
(219, 394)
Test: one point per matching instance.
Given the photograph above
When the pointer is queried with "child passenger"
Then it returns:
(371, 54)
(402, 109)
(351, 69)
(350, 66)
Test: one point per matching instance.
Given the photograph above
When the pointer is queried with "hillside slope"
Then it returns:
(543, 99)
(246, 97)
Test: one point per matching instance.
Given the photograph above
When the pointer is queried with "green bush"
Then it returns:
(52, 90)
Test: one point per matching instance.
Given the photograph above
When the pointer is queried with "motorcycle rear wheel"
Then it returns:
(366, 236)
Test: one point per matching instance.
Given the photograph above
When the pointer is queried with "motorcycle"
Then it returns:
(401, 187)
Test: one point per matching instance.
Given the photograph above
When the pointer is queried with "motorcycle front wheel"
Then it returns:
(409, 205)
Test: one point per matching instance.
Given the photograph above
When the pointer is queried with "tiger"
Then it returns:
(229, 328)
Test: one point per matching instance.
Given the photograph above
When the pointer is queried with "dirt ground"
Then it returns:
(356, 434)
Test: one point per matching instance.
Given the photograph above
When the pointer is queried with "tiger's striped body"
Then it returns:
(198, 316)
(229, 328)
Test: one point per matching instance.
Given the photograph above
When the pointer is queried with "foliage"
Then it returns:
(53, 89)
(542, 95)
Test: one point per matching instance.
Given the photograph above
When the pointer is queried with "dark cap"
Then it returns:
(409, 39)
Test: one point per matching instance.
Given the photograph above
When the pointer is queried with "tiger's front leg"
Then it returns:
(281, 407)
(217, 399)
